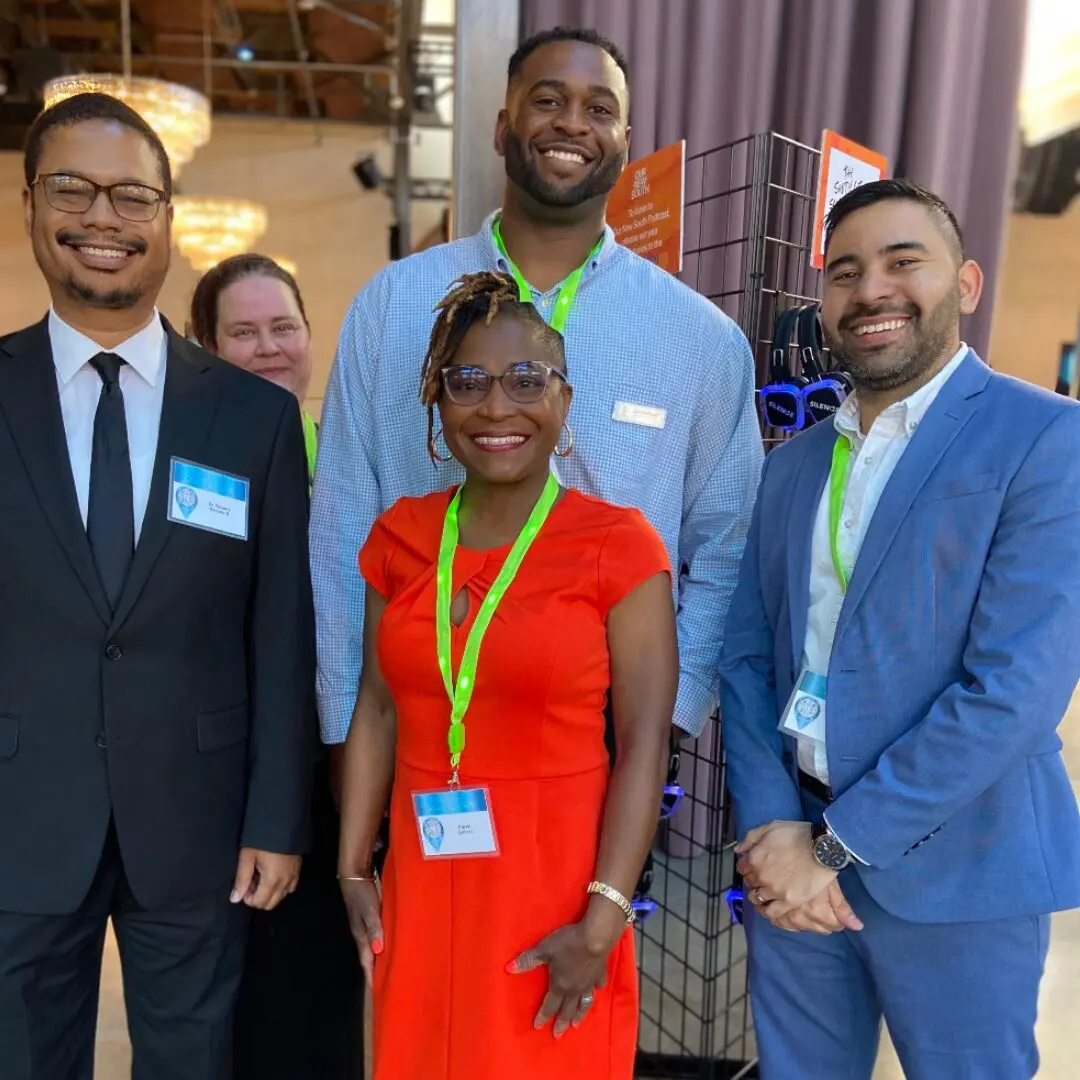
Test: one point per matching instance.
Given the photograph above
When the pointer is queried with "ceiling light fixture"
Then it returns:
(179, 115)
(208, 229)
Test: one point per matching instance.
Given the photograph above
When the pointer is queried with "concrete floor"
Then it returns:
(1059, 1004)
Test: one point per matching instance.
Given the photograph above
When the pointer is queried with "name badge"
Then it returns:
(642, 415)
(804, 716)
(208, 499)
(455, 822)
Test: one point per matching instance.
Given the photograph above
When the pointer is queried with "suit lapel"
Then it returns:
(30, 402)
(805, 496)
(187, 414)
(944, 420)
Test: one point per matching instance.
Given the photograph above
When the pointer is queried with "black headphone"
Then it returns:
(782, 405)
(825, 391)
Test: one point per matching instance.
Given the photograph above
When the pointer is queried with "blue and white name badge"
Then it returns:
(804, 716)
(455, 822)
(208, 499)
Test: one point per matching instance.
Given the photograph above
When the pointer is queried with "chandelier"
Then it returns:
(207, 229)
(179, 115)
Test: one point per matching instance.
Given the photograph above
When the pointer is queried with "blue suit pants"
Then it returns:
(959, 999)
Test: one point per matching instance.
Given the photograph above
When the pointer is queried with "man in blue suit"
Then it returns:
(902, 645)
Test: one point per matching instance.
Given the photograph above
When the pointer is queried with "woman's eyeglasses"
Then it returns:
(525, 383)
(76, 194)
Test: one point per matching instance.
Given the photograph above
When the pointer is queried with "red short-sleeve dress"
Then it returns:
(445, 1006)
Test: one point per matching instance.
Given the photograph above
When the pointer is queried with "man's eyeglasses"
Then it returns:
(524, 383)
(76, 194)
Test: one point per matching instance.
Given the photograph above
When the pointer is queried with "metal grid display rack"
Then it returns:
(747, 240)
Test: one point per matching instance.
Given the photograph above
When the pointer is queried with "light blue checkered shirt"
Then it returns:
(636, 336)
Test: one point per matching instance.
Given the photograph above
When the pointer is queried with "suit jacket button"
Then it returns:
(113, 652)
(100, 740)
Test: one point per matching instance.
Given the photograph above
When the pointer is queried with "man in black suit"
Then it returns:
(156, 645)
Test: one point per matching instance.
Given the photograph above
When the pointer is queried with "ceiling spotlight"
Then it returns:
(245, 54)
(367, 171)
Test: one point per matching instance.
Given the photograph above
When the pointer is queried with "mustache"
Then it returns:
(910, 310)
(70, 238)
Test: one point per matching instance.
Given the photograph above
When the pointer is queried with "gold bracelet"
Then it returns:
(598, 888)
(372, 877)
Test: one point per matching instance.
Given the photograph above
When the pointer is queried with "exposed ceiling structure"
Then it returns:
(327, 59)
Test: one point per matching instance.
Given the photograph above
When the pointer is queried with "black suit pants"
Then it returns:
(181, 967)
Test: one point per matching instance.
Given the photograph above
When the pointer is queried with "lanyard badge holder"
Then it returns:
(456, 821)
(825, 391)
(782, 405)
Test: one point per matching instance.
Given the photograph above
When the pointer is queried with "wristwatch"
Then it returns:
(829, 849)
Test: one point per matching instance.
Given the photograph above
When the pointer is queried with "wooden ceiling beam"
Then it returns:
(108, 33)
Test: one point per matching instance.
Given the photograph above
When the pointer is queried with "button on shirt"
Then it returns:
(142, 379)
(635, 336)
(874, 456)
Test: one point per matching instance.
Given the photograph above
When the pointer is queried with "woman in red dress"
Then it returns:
(500, 945)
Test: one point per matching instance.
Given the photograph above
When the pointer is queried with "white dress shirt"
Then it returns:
(142, 379)
(874, 456)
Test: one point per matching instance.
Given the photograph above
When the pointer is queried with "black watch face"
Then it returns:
(830, 852)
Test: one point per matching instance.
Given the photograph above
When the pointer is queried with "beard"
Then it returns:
(907, 363)
(522, 171)
(105, 300)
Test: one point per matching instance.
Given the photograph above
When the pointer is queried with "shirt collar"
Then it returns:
(72, 350)
(901, 416)
(487, 234)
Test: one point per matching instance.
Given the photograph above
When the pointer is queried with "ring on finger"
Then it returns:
(586, 1000)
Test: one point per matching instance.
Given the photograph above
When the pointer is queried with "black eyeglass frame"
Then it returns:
(160, 196)
(548, 370)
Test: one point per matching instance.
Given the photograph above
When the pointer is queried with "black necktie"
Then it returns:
(110, 518)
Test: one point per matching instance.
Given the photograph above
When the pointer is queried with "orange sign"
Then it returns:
(845, 165)
(646, 206)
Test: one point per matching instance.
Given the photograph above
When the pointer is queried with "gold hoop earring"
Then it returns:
(432, 449)
(569, 443)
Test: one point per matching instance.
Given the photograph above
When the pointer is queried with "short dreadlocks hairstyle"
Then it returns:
(484, 295)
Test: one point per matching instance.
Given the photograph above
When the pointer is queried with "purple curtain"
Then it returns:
(932, 84)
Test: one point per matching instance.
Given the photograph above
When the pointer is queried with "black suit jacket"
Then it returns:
(186, 716)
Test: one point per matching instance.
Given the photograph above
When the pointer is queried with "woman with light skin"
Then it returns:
(248, 310)
(300, 1009)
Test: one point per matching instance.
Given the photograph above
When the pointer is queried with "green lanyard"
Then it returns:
(567, 291)
(461, 694)
(311, 445)
(841, 457)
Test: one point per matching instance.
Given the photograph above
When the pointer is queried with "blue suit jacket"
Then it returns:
(956, 654)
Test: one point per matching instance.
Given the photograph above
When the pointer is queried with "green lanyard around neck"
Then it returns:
(567, 291)
(841, 458)
(461, 694)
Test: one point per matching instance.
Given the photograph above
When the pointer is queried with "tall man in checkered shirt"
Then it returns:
(663, 413)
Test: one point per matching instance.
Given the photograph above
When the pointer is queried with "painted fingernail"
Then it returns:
(234, 897)
(377, 947)
(512, 967)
